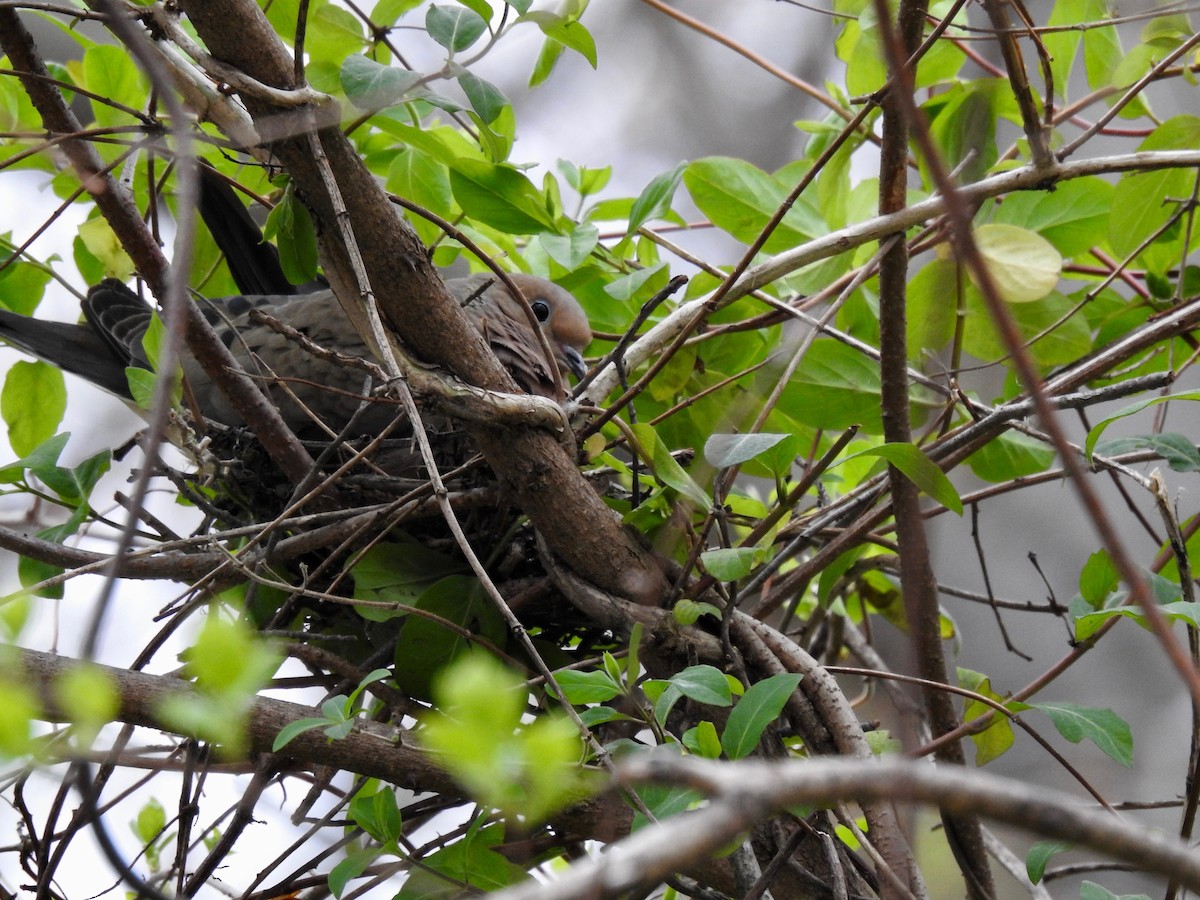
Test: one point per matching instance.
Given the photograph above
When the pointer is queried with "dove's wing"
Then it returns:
(330, 391)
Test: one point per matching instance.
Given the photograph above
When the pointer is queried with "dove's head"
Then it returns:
(505, 326)
(562, 319)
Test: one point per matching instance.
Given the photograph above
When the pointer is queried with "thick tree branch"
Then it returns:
(743, 789)
(744, 793)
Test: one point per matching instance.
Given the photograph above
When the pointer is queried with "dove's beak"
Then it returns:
(574, 362)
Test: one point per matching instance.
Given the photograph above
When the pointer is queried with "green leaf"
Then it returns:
(740, 198)
(920, 470)
(74, 485)
(835, 387)
(333, 35)
(369, 679)
(586, 687)
(150, 822)
(417, 176)
(1073, 218)
(1062, 46)
(19, 708)
(481, 8)
(654, 202)
(1139, 196)
(1176, 449)
(389, 12)
(858, 47)
(1062, 334)
(758, 708)
(569, 32)
(470, 861)
(42, 458)
(230, 663)
(476, 733)
(995, 740)
(656, 454)
(1089, 890)
(291, 224)
(499, 196)
(32, 571)
(1102, 51)
(1103, 727)
(441, 143)
(486, 99)
(1098, 579)
(228, 657)
(633, 668)
(704, 684)
(372, 86)
(729, 563)
(154, 340)
(425, 644)
(454, 28)
(1040, 854)
(1024, 265)
(496, 138)
(724, 450)
(584, 180)
(1010, 455)
(629, 286)
(399, 571)
(598, 715)
(831, 575)
(1173, 610)
(1094, 435)
(292, 730)
(703, 740)
(101, 242)
(571, 249)
(89, 698)
(350, 868)
(23, 284)
(882, 743)
(688, 612)
(111, 73)
(933, 294)
(663, 802)
(965, 128)
(32, 403)
(547, 59)
(143, 384)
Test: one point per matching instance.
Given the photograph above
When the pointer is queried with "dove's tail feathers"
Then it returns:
(120, 318)
(252, 261)
(73, 348)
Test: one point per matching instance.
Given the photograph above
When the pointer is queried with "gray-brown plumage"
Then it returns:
(116, 319)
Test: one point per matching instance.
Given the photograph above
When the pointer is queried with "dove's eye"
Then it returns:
(541, 309)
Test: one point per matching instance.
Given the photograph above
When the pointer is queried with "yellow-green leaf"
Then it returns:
(32, 403)
(1024, 265)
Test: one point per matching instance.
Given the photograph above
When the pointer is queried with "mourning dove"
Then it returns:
(116, 320)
